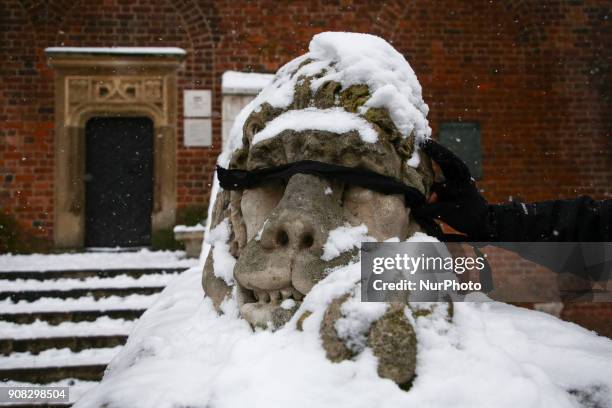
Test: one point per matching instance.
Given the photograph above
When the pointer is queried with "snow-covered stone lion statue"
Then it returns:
(353, 101)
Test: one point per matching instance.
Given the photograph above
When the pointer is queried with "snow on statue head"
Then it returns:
(354, 101)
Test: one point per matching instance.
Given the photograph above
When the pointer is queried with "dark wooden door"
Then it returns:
(118, 182)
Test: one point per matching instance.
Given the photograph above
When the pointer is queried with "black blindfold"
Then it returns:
(243, 179)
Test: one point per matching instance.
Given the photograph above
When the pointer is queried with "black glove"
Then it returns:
(459, 203)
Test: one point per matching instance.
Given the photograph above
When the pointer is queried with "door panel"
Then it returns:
(118, 181)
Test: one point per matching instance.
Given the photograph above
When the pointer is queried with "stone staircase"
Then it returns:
(63, 327)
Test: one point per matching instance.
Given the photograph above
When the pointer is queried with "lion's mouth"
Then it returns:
(276, 296)
(265, 308)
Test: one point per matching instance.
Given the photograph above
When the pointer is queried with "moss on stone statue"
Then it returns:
(302, 94)
(300, 322)
(335, 349)
(325, 97)
(393, 342)
(391, 338)
(354, 97)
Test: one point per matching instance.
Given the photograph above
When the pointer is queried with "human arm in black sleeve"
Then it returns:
(574, 220)
(460, 205)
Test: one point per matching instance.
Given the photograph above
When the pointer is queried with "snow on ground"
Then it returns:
(121, 281)
(181, 353)
(233, 82)
(102, 326)
(96, 260)
(59, 358)
(77, 387)
(82, 303)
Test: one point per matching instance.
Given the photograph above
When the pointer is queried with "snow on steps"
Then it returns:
(59, 323)
(147, 280)
(59, 357)
(101, 326)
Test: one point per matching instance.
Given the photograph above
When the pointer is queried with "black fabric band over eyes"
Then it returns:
(243, 179)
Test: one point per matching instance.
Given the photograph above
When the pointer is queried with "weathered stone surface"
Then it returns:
(335, 349)
(300, 322)
(393, 341)
(214, 287)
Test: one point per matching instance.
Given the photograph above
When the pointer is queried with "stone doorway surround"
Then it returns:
(119, 81)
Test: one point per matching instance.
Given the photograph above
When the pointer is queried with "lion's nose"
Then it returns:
(286, 253)
(302, 217)
(292, 229)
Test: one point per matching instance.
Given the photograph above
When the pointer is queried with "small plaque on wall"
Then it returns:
(196, 103)
(197, 132)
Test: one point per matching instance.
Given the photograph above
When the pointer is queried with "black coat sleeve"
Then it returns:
(577, 220)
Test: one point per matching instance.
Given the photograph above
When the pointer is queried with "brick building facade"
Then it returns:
(534, 76)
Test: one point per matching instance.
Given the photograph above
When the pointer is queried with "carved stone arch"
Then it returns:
(99, 82)
(83, 113)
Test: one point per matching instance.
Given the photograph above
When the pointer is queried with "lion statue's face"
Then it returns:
(279, 230)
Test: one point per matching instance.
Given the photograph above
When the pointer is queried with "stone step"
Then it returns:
(122, 281)
(82, 274)
(50, 310)
(83, 303)
(35, 405)
(56, 364)
(45, 375)
(97, 293)
(71, 316)
(103, 326)
(36, 345)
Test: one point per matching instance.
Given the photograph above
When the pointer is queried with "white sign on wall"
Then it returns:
(197, 103)
(197, 132)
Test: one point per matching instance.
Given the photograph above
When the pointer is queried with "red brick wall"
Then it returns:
(26, 124)
(535, 75)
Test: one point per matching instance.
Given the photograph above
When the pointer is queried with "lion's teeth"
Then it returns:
(286, 293)
(296, 294)
(263, 297)
(275, 296)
